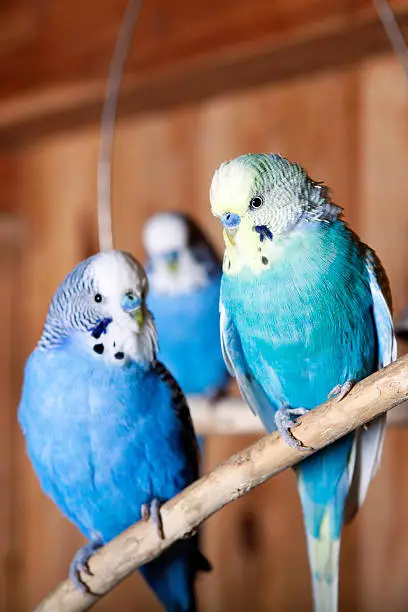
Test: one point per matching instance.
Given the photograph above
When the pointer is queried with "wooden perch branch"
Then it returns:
(230, 417)
(229, 481)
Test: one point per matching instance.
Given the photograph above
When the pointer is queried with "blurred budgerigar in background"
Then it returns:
(107, 428)
(305, 312)
(184, 275)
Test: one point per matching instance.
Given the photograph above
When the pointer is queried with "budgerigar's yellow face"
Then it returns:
(232, 184)
(231, 191)
(260, 201)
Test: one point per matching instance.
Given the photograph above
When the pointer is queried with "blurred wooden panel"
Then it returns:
(75, 42)
(56, 80)
(379, 537)
(160, 152)
(10, 243)
(383, 223)
(18, 18)
(9, 163)
(383, 195)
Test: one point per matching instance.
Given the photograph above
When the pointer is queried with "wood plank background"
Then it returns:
(349, 128)
(54, 56)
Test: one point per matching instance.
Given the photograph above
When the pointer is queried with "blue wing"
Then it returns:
(236, 363)
(382, 306)
(370, 441)
(174, 571)
(181, 409)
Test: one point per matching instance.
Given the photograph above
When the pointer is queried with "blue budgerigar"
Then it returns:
(184, 277)
(107, 428)
(305, 312)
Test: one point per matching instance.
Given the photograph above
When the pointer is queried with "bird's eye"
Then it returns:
(98, 298)
(256, 202)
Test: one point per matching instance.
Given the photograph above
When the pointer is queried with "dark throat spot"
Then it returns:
(263, 231)
(101, 328)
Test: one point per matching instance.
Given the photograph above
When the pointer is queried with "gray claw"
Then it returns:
(297, 412)
(80, 564)
(340, 391)
(284, 424)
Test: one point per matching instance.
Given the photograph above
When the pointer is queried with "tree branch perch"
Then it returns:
(230, 417)
(229, 481)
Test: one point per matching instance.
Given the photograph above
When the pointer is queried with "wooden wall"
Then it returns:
(349, 128)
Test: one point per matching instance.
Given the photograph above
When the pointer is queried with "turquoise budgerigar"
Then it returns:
(305, 312)
(107, 428)
(184, 275)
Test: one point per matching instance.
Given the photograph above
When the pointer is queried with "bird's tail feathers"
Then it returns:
(323, 511)
(324, 558)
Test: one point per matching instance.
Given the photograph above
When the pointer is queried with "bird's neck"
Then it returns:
(115, 345)
(258, 252)
(315, 276)
(305, 254)
(54, 334)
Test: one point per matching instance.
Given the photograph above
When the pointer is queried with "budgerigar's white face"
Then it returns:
(174, 269)
(121, 282)
(102, 301)
(260, 200)
(165, 233)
